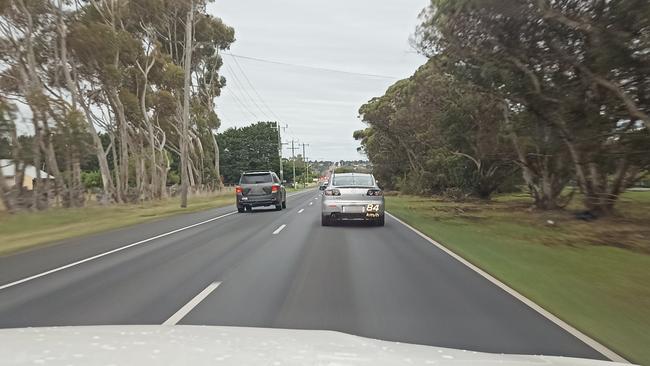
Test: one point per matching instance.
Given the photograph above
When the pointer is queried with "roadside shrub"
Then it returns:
(92, 179)
(513, 183)
(454, 194)
(173, 178)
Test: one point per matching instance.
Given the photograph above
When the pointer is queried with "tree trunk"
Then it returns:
(50, 160)
(599, 195)
(189, 28)
(164, 170)
(118, 185)
(37, 188)
(77, 187)
(139, 186)
(33, 90)
(145, 186)
(121, 160)
(124, 145)
(191, 172)
(217, 163)
(542, 174)
(154, 186)
(153, 168)
(108, 188)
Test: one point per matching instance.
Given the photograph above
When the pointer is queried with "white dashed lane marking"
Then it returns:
(277, 231)
(180, 314)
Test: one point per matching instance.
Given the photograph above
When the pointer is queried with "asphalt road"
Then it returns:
(379, 282)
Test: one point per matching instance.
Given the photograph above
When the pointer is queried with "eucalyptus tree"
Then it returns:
(446, 132)
(579, 67)
(27, 77)
(189, 41)
(143, 73)
(105, 51)
(253, 147)
(159, 65)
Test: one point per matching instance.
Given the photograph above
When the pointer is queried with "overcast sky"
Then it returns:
(368, 37)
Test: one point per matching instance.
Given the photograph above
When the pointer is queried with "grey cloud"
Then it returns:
(321, 107)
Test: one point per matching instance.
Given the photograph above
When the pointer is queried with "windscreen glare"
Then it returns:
(353, 180)
(256, 178)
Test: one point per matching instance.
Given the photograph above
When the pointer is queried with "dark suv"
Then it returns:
(257, 189)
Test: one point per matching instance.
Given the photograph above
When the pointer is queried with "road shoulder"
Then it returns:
(599, 290)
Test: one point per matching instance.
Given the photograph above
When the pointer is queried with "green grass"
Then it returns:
(28, 230)
(595, 276)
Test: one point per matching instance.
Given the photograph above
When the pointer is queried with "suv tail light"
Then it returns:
(275, 188)
(332, 192)
(239, 190)
(375, 192)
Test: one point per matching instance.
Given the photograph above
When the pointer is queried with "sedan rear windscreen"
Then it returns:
(256, 178)
(353, 180)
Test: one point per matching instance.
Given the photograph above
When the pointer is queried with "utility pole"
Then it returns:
(280, 148)
(293, 157)
(304, 163)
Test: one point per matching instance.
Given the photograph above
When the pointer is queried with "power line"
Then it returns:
(250, 98)
(241, 104)
(252, 87)
(305, 166)
(315, 67)
(240, 97)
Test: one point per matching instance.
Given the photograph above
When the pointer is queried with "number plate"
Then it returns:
(372, 208)
(353, 209)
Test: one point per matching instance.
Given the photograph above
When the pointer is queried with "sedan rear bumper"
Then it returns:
(358, 209)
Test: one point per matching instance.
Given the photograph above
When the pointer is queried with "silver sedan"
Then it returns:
(352, 196)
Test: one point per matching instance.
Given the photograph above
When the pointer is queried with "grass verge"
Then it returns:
(593, 275)
(28, 230)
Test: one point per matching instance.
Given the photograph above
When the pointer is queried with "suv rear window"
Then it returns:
(256, 178)
(353, 180)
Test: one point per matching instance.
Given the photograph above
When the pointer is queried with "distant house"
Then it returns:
(8, 169)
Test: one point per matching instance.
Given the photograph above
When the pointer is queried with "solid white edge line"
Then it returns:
(301, 210)
(277, 231)
(73, 264)
(182, 312)
(30, 278)
(557, 321)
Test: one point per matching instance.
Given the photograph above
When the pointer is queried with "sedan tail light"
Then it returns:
(332, 192)
(238, 190)
(375, 192)
(275, 188)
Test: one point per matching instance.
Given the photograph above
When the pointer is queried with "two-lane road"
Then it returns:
(275, 269)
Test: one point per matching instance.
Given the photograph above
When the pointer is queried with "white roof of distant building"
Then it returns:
(9, 170)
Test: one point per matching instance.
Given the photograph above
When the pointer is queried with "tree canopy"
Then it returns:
(558, 89)
(250, 148)
(143, 73)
